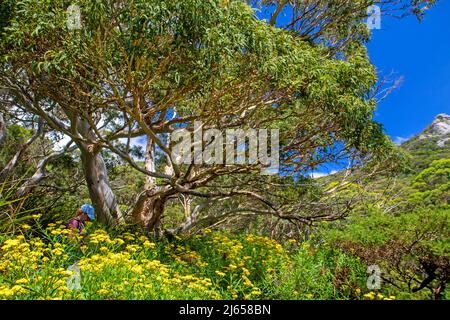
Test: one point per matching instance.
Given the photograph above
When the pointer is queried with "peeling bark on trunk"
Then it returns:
(149, 209)
(96, 175)
(146, 214)
(150, 217)
(102, 197)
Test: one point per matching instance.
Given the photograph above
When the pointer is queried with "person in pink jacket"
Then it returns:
(84, 214)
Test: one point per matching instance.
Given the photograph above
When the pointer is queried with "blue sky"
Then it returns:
(419, 52)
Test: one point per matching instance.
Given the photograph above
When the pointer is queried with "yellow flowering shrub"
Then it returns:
(58, 263)
(133, 265)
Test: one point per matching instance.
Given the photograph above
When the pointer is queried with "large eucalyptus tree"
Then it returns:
(146, 68)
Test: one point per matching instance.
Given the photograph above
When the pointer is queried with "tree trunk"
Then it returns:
(103, 198)
(149, 208)
(150, 216)
(2, 128)
(150, 182)
(148, 211)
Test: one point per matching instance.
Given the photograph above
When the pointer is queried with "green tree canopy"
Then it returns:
(146, 68)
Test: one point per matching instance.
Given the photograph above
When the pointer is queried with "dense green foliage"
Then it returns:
(405, 229)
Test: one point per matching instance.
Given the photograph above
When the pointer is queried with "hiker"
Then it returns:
(84, 214)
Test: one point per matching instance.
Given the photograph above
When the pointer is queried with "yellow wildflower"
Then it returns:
(22, 281)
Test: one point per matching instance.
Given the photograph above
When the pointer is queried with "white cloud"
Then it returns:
(399, 140)
(59, 145)
(316, 175)
(138, 141)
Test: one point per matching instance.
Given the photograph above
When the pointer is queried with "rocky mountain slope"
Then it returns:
(431, 144)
